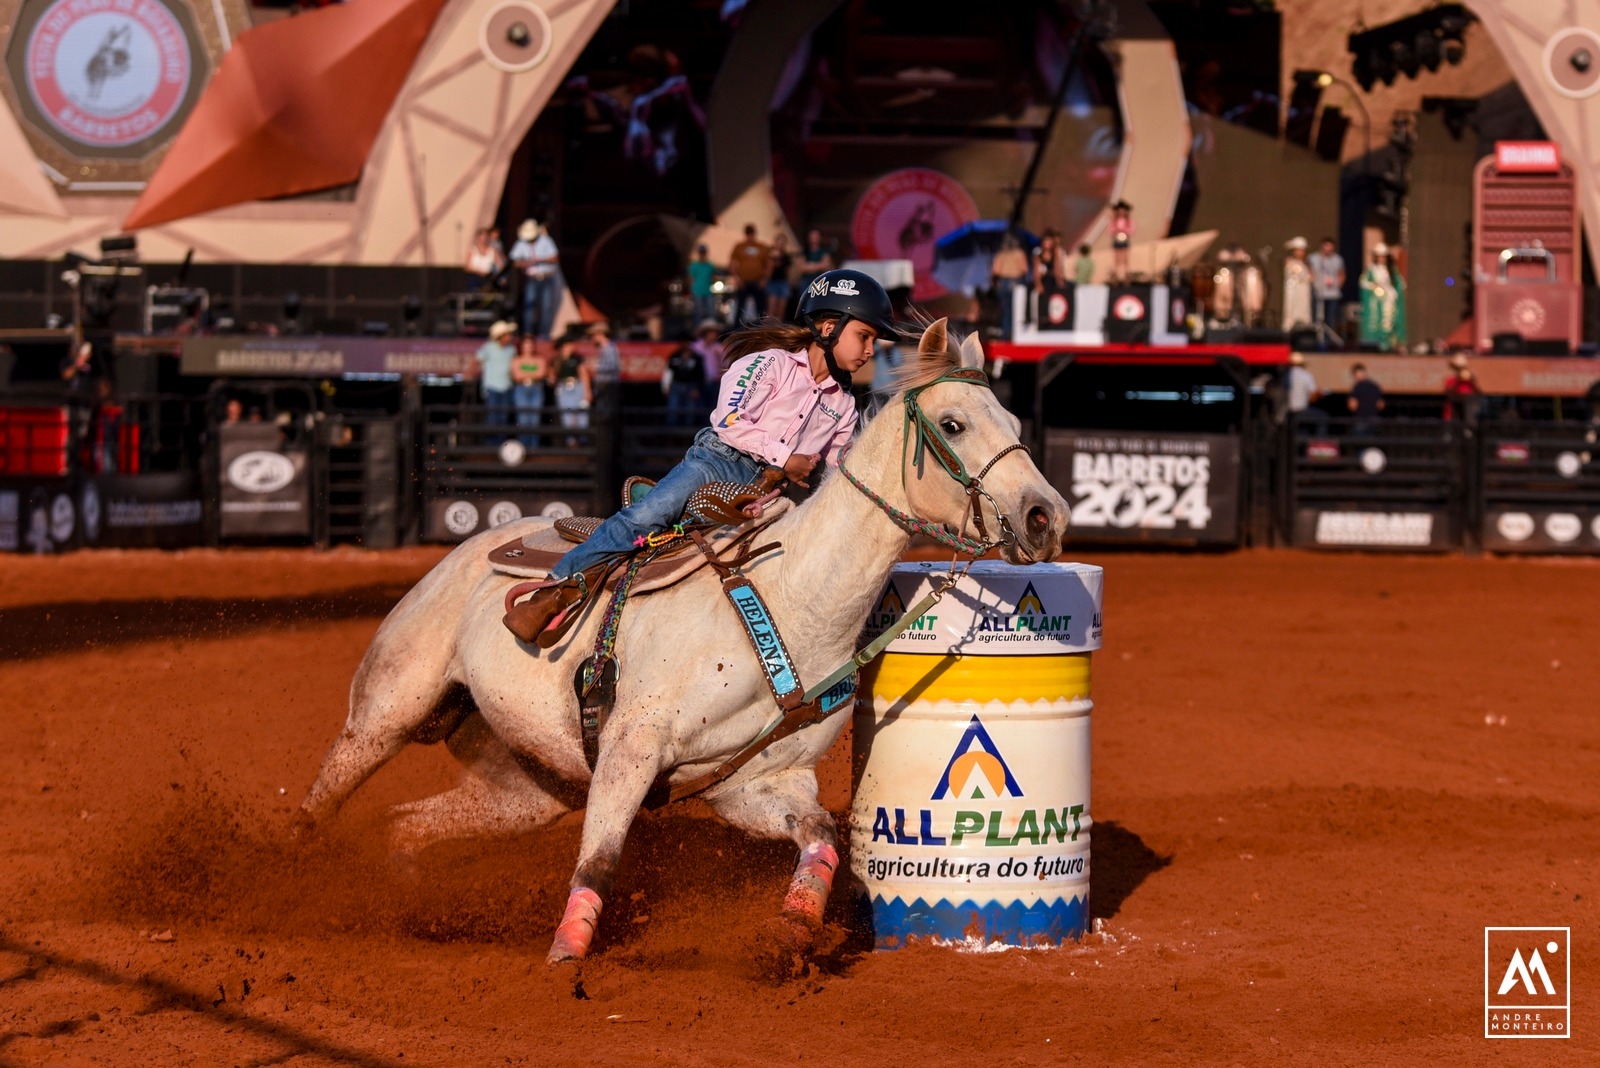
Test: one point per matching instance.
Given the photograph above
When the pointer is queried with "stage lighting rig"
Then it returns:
(1423, 40)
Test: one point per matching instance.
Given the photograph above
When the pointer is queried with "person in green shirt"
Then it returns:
(702, 275)
(1083, 266)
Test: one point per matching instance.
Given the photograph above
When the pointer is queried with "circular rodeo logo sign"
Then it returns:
(261, 472)
(902, 214)
(109, 73)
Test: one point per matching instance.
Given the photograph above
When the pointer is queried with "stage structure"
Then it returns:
(158, 115)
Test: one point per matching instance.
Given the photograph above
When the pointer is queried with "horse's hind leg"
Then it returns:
(496, 796)
(401, 684)
(784, 805)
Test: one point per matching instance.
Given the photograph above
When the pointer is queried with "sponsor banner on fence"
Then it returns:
(1550, 529)
(1509, 376)
(39, 517)
(332, 357)
(1150, 487)
(266, 487)
(457, 517)
(1352, 529)
(158, 511)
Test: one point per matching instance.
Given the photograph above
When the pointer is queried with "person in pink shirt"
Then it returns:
(784, 402)
(1121, 240)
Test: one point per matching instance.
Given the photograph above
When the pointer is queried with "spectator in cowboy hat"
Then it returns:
(1301, 392)
(494, 363)
(536, 256)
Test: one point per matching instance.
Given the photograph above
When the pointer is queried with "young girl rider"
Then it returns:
(784, 402)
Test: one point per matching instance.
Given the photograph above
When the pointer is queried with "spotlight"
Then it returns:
(1409, 45)
(1581, 60)
(1426, 49)
(518, 34)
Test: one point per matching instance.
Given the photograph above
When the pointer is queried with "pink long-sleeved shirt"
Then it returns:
(770, 406)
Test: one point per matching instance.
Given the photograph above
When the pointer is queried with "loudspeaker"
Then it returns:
(1224, 335)
(1302, 339)
(1330, 134)
(1264, 335)
(1546, 347)
(1508, 343)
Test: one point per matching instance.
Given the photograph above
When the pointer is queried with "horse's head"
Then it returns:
(964, 466)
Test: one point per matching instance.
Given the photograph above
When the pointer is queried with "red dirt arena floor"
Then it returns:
(1317, 778)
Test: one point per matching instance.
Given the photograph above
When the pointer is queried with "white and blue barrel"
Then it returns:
(970, 819)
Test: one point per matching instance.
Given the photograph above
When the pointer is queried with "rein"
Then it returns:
(930, 439)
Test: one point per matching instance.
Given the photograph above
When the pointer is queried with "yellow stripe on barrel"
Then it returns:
(980, 678)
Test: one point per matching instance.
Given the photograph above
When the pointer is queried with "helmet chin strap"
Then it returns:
(825, 342)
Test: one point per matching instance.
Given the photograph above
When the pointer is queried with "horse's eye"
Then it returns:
(950, 426)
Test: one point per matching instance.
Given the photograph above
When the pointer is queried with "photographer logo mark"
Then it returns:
(1527, 974)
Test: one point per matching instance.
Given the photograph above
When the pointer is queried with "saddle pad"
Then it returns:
(533, 555)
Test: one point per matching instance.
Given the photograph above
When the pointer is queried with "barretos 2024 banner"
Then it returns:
(1148, 487)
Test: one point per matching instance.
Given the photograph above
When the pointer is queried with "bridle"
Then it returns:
(930, 439)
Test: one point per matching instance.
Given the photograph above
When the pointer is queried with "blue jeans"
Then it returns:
(709, 459)
(1006, 290)
(1330, 308)
(541, 300)
(705, 307)
(498, 401)
(683, 403)
(529, 402)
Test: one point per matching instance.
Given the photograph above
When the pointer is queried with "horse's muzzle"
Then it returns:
(1041, 528)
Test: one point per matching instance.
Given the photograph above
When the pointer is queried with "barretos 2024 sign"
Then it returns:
(1150, 487)
(107, 78)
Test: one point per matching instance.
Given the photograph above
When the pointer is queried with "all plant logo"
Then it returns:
(976, 770)
(1029, 617)
(1527, 973)
(891, 606)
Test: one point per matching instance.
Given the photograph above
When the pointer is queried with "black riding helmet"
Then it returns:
(843, 295)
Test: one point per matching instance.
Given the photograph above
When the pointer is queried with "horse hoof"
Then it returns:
(302, 827)
(561, 952)
(783, 948)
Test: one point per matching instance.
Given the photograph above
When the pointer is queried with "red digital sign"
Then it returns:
(1527, 157)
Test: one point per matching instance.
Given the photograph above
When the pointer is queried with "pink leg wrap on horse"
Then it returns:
(577, 926)
(813, 882)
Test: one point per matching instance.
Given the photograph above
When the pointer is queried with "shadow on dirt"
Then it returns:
(1121, 863)
(161, 995)
(35, 630)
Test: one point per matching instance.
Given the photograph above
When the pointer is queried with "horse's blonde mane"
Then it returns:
(937, 354)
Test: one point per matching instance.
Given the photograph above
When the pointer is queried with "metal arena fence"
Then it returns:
(170, 471)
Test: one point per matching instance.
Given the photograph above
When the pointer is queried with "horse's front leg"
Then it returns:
(629, 763)
(784, 805)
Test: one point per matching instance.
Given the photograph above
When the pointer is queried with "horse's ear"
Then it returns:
(936, 338)
(972, 352)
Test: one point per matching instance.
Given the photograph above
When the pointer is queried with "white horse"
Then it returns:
(690, 692)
